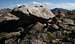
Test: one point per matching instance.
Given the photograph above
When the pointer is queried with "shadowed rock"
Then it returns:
(8, 22)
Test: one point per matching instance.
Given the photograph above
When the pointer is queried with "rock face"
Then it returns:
(22, 23)
(37, 11)
(36, 25)
(7, 17)
(7, 22)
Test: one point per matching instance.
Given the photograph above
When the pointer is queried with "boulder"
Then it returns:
(37, 11)
(8, 22)
(7, 17)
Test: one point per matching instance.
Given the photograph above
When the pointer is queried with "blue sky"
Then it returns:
(52, 3)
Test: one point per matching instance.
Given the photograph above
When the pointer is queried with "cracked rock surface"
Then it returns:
(36, 25)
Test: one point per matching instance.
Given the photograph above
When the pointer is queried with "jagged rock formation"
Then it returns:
(26, 22)
(32, 19)
(37, 25)
(36, 11)
(7, 21)
(8, 26)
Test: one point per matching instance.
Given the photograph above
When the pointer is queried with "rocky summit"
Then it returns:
(29, 24)
(38, 11)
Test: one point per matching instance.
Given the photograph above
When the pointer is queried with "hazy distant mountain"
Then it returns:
(73, 11)
(5, 10)
(58, 10)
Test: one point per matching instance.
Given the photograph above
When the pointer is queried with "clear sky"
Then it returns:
(13, 3)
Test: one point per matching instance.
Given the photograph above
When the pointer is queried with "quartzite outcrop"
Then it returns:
(29, 24)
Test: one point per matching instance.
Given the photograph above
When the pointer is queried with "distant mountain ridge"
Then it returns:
(58, 10)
